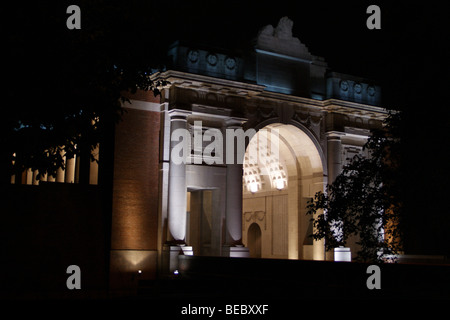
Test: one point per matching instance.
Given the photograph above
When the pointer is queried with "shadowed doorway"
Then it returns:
(254, 240)
(199, 221)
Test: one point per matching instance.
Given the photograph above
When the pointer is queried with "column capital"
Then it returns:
(334, 135)
(178, 115)
(234, 122)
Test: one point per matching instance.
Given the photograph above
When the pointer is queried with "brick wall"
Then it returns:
(134, 228)
(135, 186)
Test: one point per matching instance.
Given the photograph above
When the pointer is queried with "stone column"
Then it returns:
(334, 157)
(233, 213)
(334, 146)
(60, 172)
(93, 166)
(177, 197)
(70, 170)
(177, 187)
(234, 205)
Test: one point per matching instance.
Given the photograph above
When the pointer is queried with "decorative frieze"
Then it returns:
(255, 216)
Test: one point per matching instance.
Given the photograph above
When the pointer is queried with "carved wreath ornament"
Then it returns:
(230, 63)
(255, 216)
(212, 59)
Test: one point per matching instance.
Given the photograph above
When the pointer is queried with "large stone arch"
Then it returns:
(280, 208)
(305, 130)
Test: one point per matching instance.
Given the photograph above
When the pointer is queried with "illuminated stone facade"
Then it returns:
(323, 118)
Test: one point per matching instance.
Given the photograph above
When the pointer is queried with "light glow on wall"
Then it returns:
(279, 184)
(253, 187)
(263, 168)
(298, 162)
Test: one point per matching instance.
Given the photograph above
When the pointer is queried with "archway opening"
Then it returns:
(199, 221)
(282, 170)
(254, 240)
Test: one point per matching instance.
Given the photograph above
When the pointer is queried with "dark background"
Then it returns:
(408, 57)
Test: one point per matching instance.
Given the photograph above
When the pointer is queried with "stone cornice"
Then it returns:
(347, 107)
(335, 103)
(197, 81)
(253, 91)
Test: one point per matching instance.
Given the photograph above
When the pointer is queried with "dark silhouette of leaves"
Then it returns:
(365, 200)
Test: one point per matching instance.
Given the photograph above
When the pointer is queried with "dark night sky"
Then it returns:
(408, 54)
(408, 51)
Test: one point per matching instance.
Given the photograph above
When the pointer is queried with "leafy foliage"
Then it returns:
(365, 200)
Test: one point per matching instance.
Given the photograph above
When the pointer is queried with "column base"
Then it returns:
(238, 251)
(170, 256)
(342, 254)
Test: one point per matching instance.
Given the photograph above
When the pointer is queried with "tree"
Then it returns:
(365, 200)
(65, 88)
